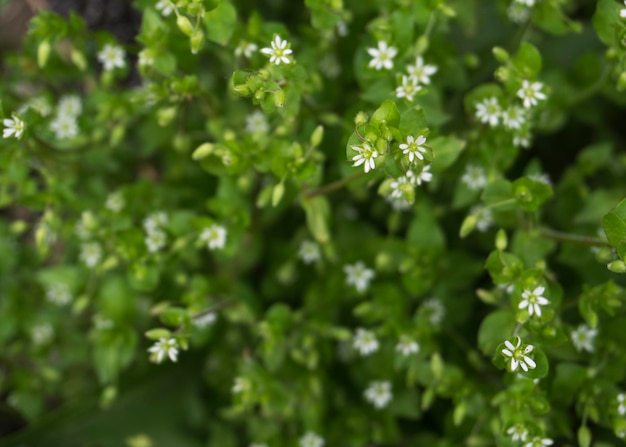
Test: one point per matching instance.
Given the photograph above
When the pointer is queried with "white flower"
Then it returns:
(246, 49)
(311, 439)
(69, 105)
(165, 347)
(622, 12)
(59, 293)
(541, 177)
(13, 127)
(474, 177)
(146, 57)
(101, 323)
(115, 202)
(85, 226)
(112, 56)
(214, 236)
(408, 88)
(358, 275)
(365, 156)
(256, 444)
(155, 240)
(424, 176)
(397, 187)
(155, 221)
(517, 432)
(64, 127)
(39, 104)
(256, 123)
(407, 346)
(420, 71)
(279, 51)
(530, 93)
(90, 253)
(621, 404)
(379, 393)
(435, 310)
(365, 342)
(533, 301)
(513, 117)
(382, 57)
(528, 3)
(484, 216)
(398, 204)
(42, 333)
(521, 140)
(583, 337)
(518, 355)
(488, 111)
(518, 13)
(166, 7)
(241, 385)
(204, 320)
(539, 442)
(309, 252)
(413, 147)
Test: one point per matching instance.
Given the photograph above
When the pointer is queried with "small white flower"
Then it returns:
(407, 346)
(246, 49)
(115, 202)
(365, 342)
(59, 293)
(485, 218)
(155, 221)
(528, 3)
(358, 275)
(69, 105)
(517, 432)
(518, 13)
(39, 104)
(111, 57)
(101, 323)
(435, 310)
(422, 72)
(342, 28)
(533, 301)
(518, 356)
(521, 140)
(382, 57)
(514, 117)
(13, 127)
(541, 177)
(622, 12)
(214, 236)
(309, 252)
(165, 347)
(42, 333)
(489, 111)
(311, 439)
(146, 58)
(378, 393)
(539, 442)
(166, 7)
(365, 157)
(256, 123)
(241, 385)
(278, 53)
(204, 320)
(408, 88)
(530, 93)
(64, 127)
(155, 240)
(583, 337)
(621, 404)
(90, 254)
(474, 177)
(398, 188)
(424, 176)
(414, 147)
(398, 204)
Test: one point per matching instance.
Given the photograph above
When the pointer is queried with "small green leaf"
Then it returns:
(528, 60)
(494, 329)
(387, 115)
(445, 152)
(531, 194)
(220, 23)
(317, 211)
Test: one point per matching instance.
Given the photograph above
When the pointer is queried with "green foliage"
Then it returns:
(316, 223)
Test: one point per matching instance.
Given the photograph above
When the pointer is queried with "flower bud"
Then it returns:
(617, 266)
(185, 25)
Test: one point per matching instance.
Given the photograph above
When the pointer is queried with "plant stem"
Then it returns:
(574, 238)
(593, 88)
(334, 186)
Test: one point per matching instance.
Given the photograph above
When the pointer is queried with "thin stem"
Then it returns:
(593, 88)
(334, 186)
(573, 238)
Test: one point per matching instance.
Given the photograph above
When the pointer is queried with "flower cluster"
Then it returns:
(165, 347)
(518, 355)
(418, 74)
(358, 275)
(64, 124)
(156, 238)
(214, 237)
(379, 393)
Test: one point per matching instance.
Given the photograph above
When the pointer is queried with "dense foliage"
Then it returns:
(357, 223)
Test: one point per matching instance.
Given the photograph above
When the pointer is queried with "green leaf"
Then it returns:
(494, 329)
(614, 225)
(220, 23)
(499, 195)
(412, 121)
(528, 60)
(317, 211)
(424, 230)
(568, 380)
(531, 194)
(550, 17)
(445, 150)
(387, 115)
(606, 22)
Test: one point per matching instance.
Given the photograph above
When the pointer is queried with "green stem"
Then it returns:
(334, 186)
(573, 238)
(593, 88)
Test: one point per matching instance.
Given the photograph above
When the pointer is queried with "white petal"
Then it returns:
(523, 304)
(530, 362)
(539, 290)
(523, 365)
(267, 51)
(537, 309)
(507, 353)
(514, 364)
(509, 345)
(528, 349)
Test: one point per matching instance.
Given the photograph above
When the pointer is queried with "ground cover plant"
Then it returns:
(280, 223)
